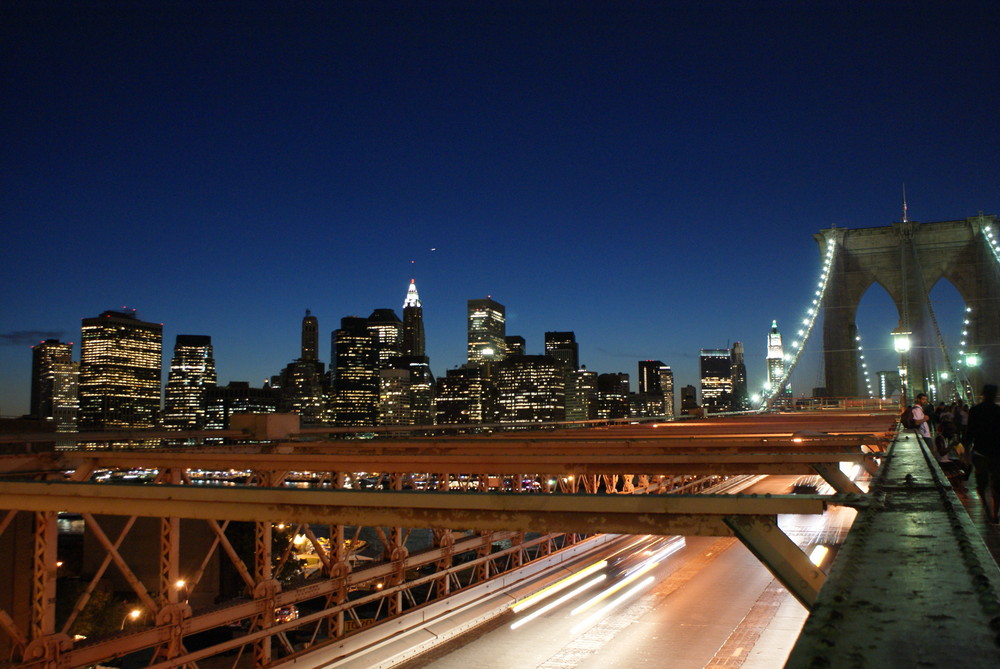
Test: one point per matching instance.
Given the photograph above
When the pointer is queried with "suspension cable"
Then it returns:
(808, 322)
(930, 311)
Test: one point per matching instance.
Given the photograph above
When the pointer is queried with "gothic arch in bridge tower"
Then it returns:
(908, 259)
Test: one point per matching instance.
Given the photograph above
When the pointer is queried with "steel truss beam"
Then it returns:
(617, 514)
(530, 460)
(780, 555)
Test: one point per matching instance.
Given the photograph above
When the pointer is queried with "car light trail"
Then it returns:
(547, 592)
(634, 543)
(612, 605)
(673, 545)
(553, 604)
(613, 589)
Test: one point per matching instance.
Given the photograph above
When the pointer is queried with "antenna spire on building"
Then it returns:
(905, 217)
(412, 298)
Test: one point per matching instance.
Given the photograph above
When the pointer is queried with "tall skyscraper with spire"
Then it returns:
(413, 322)
(301, 383)
(776, 366)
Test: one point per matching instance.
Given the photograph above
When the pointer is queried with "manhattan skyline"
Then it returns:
(647, 177)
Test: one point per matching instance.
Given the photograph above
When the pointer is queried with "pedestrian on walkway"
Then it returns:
(984, 439)
(921, 420)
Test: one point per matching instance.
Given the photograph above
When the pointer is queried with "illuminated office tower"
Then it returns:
(192, 371)
(562, 346)
(394, 397)
(514, 345)
(613, 395)
(649, 377)
(487, 332)
(356, 382)
(581, 395)
(413, 322)
(463, 396)
(406, 392)
(54, 384)
(65, 398)
(531, 389)
(387, 332)
(649, 400)
(716, 380)
(738, 372)
(120, 372)
(422, 400)
(667, 386)
(310, 337)
(776, 367)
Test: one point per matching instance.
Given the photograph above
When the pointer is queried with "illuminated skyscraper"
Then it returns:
(464, 396)
(487, 332)
(120, 362)
(394, 397)
(716, 380)
(55, 382)
(776, 367)
(531, 389)
(514, 345)
(406, 392)
(192, 372)
(356, 384)
(562, 346)
(387, 332)
(310, 337)
(667, 386)
(649, 377)
(45, 356)
(581, 395)
(613, 395)
(649, 401)
(413, 322)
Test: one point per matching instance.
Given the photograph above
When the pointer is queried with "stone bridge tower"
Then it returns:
(908, 259)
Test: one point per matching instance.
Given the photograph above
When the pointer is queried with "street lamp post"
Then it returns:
(901, 342)
(132, 615)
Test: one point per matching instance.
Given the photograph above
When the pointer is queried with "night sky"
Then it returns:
(648, 175)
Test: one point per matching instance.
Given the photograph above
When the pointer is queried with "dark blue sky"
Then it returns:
(649, 175)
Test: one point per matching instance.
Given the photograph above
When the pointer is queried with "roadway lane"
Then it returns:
(712, 604)
(703, 593)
